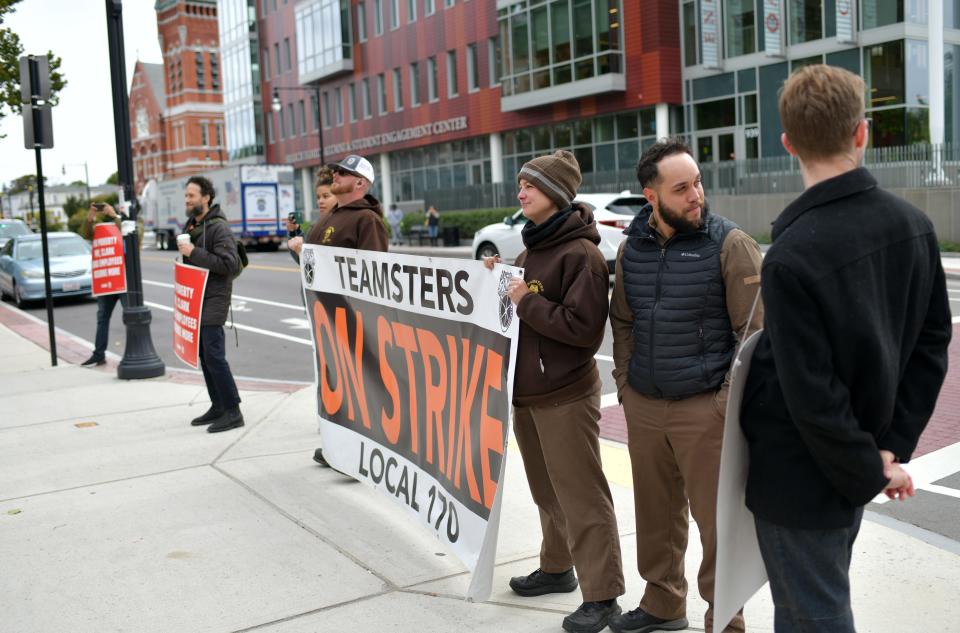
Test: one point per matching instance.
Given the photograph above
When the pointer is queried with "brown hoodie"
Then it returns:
(563, 318)
(358, 224)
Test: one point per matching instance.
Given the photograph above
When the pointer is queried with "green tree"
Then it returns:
(114, 178)
(10, 52)
(25, 182)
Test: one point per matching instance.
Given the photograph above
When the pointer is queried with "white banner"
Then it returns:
(773, 28)
(846, 22)
(710, 33)
(414, 360)
(740, 572)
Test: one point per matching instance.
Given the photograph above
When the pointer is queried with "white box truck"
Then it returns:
(255, 199)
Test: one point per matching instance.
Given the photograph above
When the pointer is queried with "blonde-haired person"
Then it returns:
(562, 306)
(852, 357)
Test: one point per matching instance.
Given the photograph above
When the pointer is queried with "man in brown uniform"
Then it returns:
(356, 221)
(562, 306)
(686, 280)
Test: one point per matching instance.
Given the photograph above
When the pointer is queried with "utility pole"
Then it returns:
(140, 359)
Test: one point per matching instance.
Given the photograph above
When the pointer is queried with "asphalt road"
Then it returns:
(272, 329)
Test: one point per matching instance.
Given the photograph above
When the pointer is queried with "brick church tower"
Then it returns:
(193, 111)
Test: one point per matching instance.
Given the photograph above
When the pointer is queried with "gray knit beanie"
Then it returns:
(557, 175)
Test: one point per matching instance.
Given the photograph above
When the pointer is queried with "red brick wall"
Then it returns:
(651, 40)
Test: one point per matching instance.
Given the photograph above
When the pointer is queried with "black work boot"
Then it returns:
(639, 621)
(540, 583)
(212, 414)
(320, 459)
(94, 361)
(591, 616)
(231, 419)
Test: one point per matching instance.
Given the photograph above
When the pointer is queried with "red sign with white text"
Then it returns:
(189, 285)
(109, 269)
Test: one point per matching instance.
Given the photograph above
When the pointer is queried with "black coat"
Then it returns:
(853, 354)
(216, 250)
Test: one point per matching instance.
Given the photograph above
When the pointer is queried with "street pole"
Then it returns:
(140, 359)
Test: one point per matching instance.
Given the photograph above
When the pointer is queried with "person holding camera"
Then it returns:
(356, 220)
(213, 246)
(100, 212)
(326, 202)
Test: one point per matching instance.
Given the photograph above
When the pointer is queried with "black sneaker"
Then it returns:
(94, 361)
(320, 459)
(639, 621)
(212, 414)
(231, 419)
(540, 583)
(591, 616)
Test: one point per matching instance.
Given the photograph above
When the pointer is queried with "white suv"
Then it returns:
(613, 213)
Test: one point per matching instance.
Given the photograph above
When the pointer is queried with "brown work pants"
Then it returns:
(560, 445)
(675, 457)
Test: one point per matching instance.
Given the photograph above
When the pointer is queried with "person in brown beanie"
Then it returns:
(562, 306)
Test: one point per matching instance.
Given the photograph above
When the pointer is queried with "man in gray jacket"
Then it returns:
(213, 246)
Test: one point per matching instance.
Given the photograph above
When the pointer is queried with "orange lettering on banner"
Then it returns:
(468, 391)
(332, 399)
(391, 424)
(403, 335)
(436, 394)
(352, 367)
(491, 429)
(452, 419)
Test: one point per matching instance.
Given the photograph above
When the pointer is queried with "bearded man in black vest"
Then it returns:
(686, 281)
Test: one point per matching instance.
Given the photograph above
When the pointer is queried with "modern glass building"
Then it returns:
(240, 59)
(737, 53)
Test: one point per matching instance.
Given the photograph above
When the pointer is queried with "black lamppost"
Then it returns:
(276, 106)
(140, 359)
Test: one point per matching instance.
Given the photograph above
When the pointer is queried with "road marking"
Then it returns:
(297, 324)
(276, 304)
(929, 468)
(942, 490)
(279, 269)
(245, 328)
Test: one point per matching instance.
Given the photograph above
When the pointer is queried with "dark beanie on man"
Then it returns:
(557, 175)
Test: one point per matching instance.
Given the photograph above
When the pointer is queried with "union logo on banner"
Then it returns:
(109, 269)
(189, 285)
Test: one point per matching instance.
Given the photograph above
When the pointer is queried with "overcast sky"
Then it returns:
(76, 31)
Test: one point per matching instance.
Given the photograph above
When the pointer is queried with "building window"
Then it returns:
(411, 10)
(266, 64)
(473, 79)
(361, 22)
(286, 55)
(429, 7)
(204, 141)
(219, 130)
(414, 84)
(283, 125)
(201, 72)
(303, 117)
(315, 111)
(292, 116)
(214, 72)
(326, 109)
(876, 13)
(431, 79)
(394, 14)
(397, 90)
(741, 27)
(452, 89)
(448, 3)
(366, 99)
(324, 37)
(338, 105)
(493, 60)
(352, 101)
(276, 57)
(691, 40)
(381, 94)
(270, 137)
(377, 17)
(883, 70)
(556, 43)
(806, 20)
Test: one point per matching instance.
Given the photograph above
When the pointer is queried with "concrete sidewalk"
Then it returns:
(116, 515)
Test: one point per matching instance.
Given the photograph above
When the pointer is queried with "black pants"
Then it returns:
(105, 306)
(216, 372)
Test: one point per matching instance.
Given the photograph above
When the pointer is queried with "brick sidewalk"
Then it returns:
(943, 429)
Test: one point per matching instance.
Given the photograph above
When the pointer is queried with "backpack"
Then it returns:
(241, 249)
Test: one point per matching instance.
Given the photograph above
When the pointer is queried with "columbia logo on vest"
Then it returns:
(697, 255)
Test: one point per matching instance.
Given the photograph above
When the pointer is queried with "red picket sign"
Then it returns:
(189, 285)
(109, 268)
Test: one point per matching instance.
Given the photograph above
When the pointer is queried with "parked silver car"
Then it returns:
(613, 213)
(21, 267)
(10, 228)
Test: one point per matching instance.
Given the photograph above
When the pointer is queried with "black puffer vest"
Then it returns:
(683, 339)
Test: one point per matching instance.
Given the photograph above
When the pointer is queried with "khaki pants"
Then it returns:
(560, 446)
(675, 456)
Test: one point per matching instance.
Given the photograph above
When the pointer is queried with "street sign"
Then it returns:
(34, 95)
(34, 138)
(34, 86)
